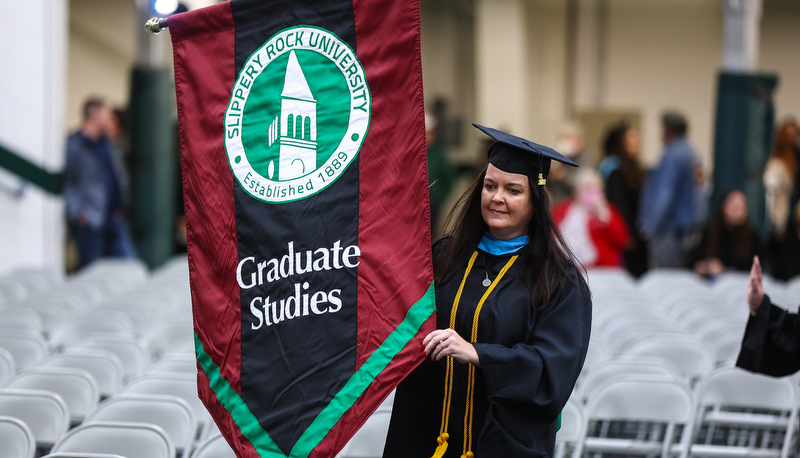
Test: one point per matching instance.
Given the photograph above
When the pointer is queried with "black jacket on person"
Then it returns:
(771, 343)
(728, 252)
(529, 362)
(626, 199)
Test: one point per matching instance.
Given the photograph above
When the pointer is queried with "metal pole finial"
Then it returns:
(156, 25)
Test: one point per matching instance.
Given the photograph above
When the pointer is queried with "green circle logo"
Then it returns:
(298, 114)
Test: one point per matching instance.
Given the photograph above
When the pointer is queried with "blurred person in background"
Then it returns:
(570, 143)
(782, 185)
(730, 241)
(624, 178)
(95, 186)
(440, 172)
(667, 211)
(592, 227)
(771, 343)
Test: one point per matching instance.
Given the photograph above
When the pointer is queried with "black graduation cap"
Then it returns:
(514, 154)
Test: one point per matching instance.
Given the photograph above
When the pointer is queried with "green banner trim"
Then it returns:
(344, 399)
(49, 182)
(233, 403)
(362, 379)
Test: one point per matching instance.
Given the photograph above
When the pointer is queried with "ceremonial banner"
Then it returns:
(305, 187)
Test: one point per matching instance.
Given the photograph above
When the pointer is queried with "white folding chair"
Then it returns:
(720, 328)
(730, 280)
(77, 328)
(610, 277)
(51, 311)
(39, 278)
(698, 320)
(44, 412)
(129, 348)
(81, 455)
(621, 345)
(658, 283)
(171, 413)
(744, 414)
(167, 335)
(619, 318)
(123, 273)
(74, 296)
(214, 447)
(7, 366)
(21, 318)
(569, 439)
(105, 367)
(726, 348)
(180, 363)
(180, 385)
(13, 289)
(597, 352)
(131, 440)
(692, 359)
(76, 387)
(368, 441)
(27, 347)
(639, 416)
(142, 313)
(16, 438)
(625, 366)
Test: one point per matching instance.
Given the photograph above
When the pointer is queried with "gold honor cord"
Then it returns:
(448, 385)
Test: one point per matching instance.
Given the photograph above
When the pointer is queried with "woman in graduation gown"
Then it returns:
(513, 319)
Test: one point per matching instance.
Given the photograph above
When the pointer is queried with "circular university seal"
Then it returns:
(298, 114)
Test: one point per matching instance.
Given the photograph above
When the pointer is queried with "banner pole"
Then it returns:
(156, 25)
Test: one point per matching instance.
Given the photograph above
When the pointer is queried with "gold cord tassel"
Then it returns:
(448, 384)
(442, 447)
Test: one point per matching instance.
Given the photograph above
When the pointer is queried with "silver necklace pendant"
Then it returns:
(486, 282)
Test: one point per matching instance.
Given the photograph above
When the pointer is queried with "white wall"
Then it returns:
(31, 124)
(448, 64)
(780, 35)
(545, 71)
(103, 43)
(656, 55)
(501, 64)
(665, 55)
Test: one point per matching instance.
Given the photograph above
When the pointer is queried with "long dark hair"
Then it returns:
(465, 228)
(614, 145)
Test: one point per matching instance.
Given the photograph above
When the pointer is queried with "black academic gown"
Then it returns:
(771, 343)
(529, 362)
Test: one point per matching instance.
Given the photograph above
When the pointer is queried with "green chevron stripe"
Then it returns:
(362, 379)
(236, 407)
(344, 400)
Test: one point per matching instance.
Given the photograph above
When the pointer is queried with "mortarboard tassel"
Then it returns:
(544, 241)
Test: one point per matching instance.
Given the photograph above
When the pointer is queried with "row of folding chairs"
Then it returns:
(666, 287)
(105, 439)
(114, 332)
(691, 357)
(729, 413)
(667, 313)
(51, 402)
(116, 356)
(61, 312)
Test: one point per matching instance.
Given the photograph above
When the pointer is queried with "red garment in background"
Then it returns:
(608, 237)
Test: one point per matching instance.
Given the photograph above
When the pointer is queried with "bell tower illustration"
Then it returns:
(295, 129)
